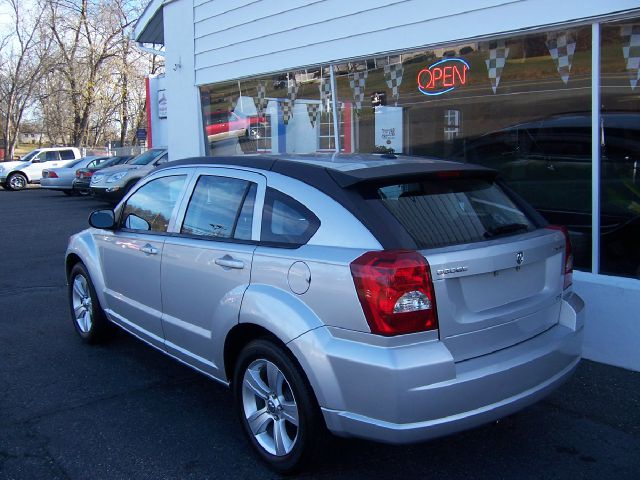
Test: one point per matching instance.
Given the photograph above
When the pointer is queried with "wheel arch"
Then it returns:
(82, 249)
(243, 334)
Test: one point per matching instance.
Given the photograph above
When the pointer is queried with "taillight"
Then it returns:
(52, 174)
(396, 291)
(568, 255)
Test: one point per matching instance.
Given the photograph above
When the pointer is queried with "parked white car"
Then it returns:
(17, 175)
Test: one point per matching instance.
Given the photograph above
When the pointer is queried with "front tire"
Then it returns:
(88, 318)
(17, 181)
(276, 406)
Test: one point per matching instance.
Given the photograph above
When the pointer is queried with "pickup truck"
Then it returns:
(18, 174)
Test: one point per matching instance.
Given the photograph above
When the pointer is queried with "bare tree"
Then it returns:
(25, 51)
(87, 34)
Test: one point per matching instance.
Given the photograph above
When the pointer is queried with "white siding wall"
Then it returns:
(236, 38)
(184, 129)
(159, 130)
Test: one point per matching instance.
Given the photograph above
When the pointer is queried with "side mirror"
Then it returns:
(104, 219)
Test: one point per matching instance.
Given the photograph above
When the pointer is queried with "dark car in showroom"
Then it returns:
(548, 162)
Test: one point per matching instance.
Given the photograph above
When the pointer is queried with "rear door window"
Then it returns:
(220, 208)
(443, 212)
(67, 154)
(52, 156)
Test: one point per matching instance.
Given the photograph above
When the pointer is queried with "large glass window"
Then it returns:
(520, 105)
(620, 149)
(276, 114)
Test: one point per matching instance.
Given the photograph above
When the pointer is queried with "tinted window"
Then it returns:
(67, 154)
(145, 158)
(439, 212)
(151, 206)
(51, 156)
(74, 163)
(215, 208)
(286, 221)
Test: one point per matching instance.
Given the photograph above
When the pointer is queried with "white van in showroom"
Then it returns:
(16, 175)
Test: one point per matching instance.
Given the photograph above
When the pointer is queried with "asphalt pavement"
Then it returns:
(124, 410)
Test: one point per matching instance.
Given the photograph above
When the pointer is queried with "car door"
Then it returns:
(206, 263)
(131, 255)
(44, 160)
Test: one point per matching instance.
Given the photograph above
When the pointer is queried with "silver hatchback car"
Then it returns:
(393, 299)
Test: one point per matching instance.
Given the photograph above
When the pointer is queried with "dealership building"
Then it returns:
(546, 92)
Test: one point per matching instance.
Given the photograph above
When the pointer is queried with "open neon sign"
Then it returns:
(443, 76)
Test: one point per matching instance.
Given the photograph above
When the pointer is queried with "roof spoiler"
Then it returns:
(409, 171)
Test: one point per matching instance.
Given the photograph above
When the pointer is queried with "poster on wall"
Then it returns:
(162, 104)
(388, 121)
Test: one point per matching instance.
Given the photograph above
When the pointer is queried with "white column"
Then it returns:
(336, 112)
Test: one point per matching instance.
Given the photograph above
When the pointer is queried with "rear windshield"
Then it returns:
(145, 158)
(441, 212)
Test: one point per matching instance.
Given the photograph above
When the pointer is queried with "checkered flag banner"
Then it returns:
(325, 94)
(562, 46)
(261, 101)
(292, 90)
(356, 81)
(393, 76)
(498, 53)
(312, 111)
(631, 51)
(287, 111)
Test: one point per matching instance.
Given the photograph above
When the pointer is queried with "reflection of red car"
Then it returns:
(221, 125)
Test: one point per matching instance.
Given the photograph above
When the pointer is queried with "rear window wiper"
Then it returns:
(505, 228)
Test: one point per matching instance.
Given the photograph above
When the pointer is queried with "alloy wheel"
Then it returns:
(270, 408)
(82, 304)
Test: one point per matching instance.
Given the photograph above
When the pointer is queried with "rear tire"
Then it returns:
(276, 407)
(89, 320)
(17, 181)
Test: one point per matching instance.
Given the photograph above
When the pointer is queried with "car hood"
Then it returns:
(123, 168)
(15, 165)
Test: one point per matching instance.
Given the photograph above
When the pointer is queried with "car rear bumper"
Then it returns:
(82, 184)
(414, 392)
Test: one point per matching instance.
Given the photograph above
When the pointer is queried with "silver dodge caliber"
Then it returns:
(393, 299)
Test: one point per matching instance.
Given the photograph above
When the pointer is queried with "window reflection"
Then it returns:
(150, 208)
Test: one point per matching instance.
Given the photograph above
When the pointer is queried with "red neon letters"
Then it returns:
(443, 76)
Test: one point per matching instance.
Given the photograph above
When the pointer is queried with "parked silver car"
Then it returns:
(62, 178)
(390, 299)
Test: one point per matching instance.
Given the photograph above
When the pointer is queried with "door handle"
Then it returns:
(229, 262)
(149, 249)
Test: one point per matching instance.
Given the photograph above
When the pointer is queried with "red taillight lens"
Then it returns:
(396, 292)
(568, 255)
(52, 174)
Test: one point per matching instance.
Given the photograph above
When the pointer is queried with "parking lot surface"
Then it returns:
(124, 410)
